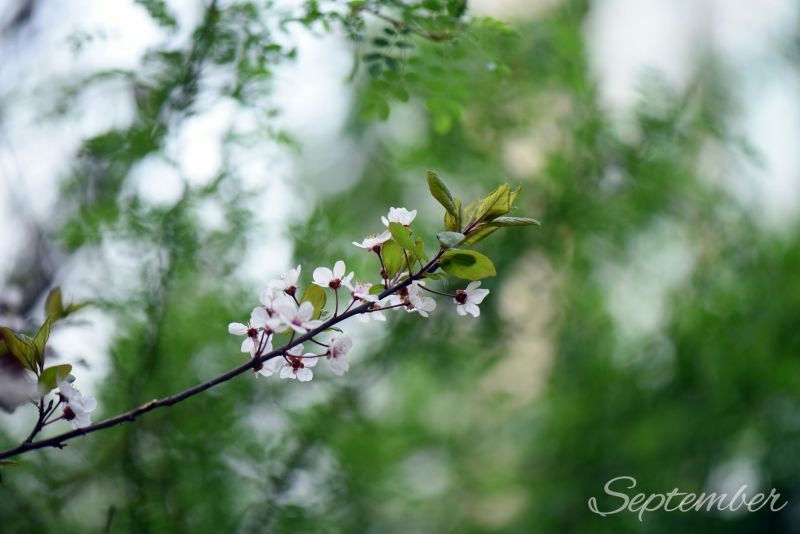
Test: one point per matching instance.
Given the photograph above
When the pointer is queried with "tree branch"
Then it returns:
(60, 440)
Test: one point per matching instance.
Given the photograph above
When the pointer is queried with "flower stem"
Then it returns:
(437, 292)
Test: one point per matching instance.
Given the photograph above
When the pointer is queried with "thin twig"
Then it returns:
(60, 440)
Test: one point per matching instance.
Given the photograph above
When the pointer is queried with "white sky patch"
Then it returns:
(197, 144)
(748, 31)
(772, 121)
(156, 181)
(630, 37)
(656, 262)
(315, 100)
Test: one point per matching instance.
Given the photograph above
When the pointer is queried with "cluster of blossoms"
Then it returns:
(76, 406)
(282, 312)
(404, 272)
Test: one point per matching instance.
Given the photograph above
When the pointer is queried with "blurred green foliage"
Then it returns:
(508, 423)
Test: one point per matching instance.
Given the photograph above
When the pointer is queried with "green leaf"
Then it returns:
(515, 221)
(54, 306)
(76, 306)
(393, 258)
(40, 340)
(419, 249)
(375, 70)
(450, 239)
(49, 376)
(467, 264)
(400, 93)
(496, 204)
(376, 289)
(469, 212)
(402, 235)
(479, 234)
(452, 223)
(442, 194)
(316, 296)
(21, 347)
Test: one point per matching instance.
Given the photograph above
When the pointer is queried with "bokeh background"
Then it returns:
(166, 159)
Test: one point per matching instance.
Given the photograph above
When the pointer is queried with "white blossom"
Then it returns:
(416, 300)
(287, 282)
(269, 367)
(298, 365)
(399, 215)
(375, 314)
(333, 279)
(270, 298)
(76, 406)
(337, 350)
(361, 292)
(298, 318)
(258, 321)
(375, 240)
(467, 300)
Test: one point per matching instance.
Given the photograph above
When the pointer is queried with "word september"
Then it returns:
(683, 501)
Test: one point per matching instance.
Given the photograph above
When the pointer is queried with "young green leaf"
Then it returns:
(402, 235)
(467, 264)
(442, 194)
(514, 221)
(419, 249)
(54, 306)
(481, 232)
(49, 376)
(452, 223)
(316, 296)
(496, 204)
(450, 239)
(40, 340)
(75, 306)
(468, 215)
(376, 289)
(393, 258)
(21, 347)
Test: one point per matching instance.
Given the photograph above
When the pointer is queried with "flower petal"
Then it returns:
(472, 286)
(477, 296)
(89, 404)
(338, 269)
(339, 366)
(297, 350)
(237, 329)
(305, 311)
(273, 365)
(258, 317)
(305, 374)
(287, 371)
(322, 276)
